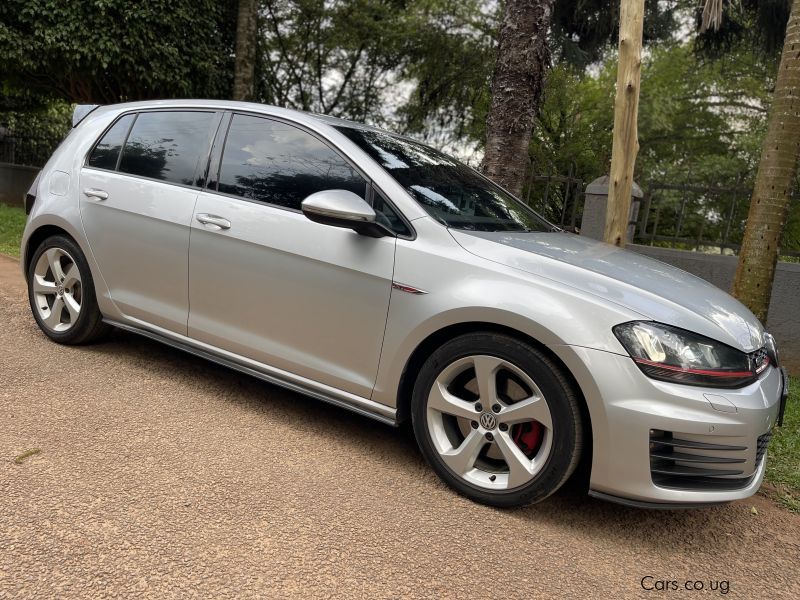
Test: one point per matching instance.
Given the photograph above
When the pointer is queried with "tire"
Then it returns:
(62, 295)
(520, 448)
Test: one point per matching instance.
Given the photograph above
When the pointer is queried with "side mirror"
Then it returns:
(341, 208)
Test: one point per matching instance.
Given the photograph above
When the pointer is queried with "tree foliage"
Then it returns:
(583, 30)
(108, 51)
(408, 64)
(757, 25)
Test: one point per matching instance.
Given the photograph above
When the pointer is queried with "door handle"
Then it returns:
(213, 220)
(93, 193)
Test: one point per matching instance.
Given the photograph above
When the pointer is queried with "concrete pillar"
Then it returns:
(593, 224)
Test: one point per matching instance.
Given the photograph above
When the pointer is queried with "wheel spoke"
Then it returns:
(443, 401)
(71, 276)
(42, 286)
(53, 259)
(54, 318)
(463, 458)
(486, 375)
(531, 409)
(72, 307)
(520, 469)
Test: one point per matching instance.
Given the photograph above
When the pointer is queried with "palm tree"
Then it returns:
(777, 171)
(517, 84)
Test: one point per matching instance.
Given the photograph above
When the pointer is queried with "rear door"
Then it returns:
(138, 190)
(269, 284)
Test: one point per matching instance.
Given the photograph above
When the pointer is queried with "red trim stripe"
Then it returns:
(724, 374)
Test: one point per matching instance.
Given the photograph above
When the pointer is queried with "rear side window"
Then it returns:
(279, 164)
(106, 152)
(167, 145)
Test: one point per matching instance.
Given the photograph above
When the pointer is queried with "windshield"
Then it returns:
(448, 190)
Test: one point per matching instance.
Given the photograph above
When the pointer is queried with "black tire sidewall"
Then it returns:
(558, 393)
(89, 313)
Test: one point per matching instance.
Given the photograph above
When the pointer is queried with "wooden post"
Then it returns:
(626, 111)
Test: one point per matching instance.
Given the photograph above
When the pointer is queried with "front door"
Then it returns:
(268, 284)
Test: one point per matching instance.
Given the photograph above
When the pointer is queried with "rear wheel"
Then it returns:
(497, 419)
(61, 293)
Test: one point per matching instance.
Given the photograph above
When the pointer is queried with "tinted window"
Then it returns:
(167, 145)
(106, 152)
(448, 190)
(276, 163)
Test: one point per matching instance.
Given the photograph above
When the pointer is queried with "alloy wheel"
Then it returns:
(489, 422)
(57, 289)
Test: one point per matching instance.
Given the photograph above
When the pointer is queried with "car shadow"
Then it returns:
(571, 507)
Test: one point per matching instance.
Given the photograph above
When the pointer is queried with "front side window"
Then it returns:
(167, 145)
(387, 216)
(448, 190)
(276, 163)
(106, 152)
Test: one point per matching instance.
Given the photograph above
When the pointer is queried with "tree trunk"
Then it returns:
(245, 61)
(517, 83)
(625, 145)
(769, 206)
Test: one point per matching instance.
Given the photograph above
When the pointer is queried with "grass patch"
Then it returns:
(12, 222)
(783, 462)
(27, 454)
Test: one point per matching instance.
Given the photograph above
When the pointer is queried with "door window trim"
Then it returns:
(202, 159)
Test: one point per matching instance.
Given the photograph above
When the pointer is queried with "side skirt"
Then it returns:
(357, 404)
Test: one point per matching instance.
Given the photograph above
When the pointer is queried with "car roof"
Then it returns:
(83, 110)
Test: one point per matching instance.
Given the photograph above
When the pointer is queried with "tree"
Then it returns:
(115, 50)
(452, 97)
(769, 206)
(246, 42)
(523, 57)
(766, 26)
(332, 57)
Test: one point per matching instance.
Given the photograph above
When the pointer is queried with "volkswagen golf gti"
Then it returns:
(368, 270)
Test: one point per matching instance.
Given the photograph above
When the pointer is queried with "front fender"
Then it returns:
(463, 288)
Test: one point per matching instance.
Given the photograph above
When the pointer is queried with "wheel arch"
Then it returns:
(434, 340)
(39, 235)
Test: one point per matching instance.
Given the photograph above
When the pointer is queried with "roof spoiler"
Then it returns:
(81, 112)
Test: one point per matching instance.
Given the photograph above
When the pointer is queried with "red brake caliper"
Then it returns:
(528, 436)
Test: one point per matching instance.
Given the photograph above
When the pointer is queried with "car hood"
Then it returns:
(654, 289)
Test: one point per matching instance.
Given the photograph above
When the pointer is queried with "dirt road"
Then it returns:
(162, 475)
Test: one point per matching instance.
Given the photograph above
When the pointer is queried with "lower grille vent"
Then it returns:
(761, 446)
(695, 465)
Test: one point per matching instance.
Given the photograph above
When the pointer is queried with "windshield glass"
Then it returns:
(448, 190)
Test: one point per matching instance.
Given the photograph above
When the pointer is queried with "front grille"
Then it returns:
(761, 446)
(689, 464)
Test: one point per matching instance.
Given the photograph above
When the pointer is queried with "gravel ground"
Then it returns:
(161, 475)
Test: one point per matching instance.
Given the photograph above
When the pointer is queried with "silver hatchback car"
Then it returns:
(370, 271)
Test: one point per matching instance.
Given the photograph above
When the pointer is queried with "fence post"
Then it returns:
(593, 224)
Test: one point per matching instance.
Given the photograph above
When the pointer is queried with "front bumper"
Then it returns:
(672, 445)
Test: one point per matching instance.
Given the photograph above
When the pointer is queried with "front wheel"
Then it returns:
(497, 419)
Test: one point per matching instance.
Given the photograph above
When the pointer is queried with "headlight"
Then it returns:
(672, 354)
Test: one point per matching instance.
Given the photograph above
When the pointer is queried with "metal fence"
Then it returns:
(693, 216)
(559, 198)
(27, 150)
(689, 215)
